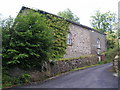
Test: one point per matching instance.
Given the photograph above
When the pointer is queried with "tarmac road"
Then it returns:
(95, 77)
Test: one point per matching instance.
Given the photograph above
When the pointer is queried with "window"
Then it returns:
(69, 39)
(98, 43)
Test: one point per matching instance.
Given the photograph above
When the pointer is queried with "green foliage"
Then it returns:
(104, 22)
(60, 29)
(29, 41)
(109, 55)
(9, 81)
(81, 57)
(25, 78)
(69, 15)
(32, 39)
(112, 40)
(110, 43)
(26, 43)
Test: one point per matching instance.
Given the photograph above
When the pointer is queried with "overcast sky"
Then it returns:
(82, 8)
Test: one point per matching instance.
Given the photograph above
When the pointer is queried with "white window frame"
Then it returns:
(98, 43)
(69, 39)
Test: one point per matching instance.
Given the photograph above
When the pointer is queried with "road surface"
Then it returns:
(95, 77)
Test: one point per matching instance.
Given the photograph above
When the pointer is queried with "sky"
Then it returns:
(82, 8)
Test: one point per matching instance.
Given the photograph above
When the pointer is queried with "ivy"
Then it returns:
(60, 29)
(33, 39)
(27, 41)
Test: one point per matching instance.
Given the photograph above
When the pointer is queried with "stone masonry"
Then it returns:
(84, 41)
(58, 67)
(80, 42)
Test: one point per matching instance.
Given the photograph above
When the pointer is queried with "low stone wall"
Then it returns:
(116, 63)
(67, 65)
(56, 67)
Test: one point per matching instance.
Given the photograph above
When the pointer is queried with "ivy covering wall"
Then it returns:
(60, 29)
(34, 38)
(29, 41)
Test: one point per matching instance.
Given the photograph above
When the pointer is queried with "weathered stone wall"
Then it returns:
(84, 41)
(67, 65)
(80, 42)
(55, 68)
(93, 38)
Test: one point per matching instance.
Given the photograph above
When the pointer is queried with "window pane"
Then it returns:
(98, 43)
(69, 41)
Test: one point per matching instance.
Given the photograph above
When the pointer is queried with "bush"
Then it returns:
(25, 78)
(109, 55)
(27, 41)
(9, 81)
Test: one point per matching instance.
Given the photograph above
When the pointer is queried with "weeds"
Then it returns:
(8, 81)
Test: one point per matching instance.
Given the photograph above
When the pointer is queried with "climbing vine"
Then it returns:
(29, 41)
(34, 38)
(60, 29)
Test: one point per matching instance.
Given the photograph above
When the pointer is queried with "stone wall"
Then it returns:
(84, 42)
(67, 65)
(55, 68)
(93, 38)
(80, 42)
(116, 63)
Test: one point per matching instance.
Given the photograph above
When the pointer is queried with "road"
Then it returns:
(94, 77)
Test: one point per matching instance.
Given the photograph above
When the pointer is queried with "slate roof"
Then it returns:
(44, 12)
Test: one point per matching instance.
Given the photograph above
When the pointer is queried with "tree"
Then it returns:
(68, 15)
(27, 41)
(103, 21)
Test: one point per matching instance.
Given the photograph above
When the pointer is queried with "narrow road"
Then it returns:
(95, 77)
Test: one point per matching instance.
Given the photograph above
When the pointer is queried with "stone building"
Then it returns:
(82, 40)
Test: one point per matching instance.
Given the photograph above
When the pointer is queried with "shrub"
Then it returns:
(25, 78)
(9, 81)
(109, 55)
(27, 42)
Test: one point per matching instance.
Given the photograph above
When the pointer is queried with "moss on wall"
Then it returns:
(81, 57)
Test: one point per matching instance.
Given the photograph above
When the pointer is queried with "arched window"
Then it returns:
(98, 43)
(69, 39)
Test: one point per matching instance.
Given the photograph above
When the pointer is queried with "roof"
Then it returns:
(44, 12)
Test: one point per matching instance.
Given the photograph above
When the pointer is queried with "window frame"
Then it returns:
(69, 39)
(98, 43)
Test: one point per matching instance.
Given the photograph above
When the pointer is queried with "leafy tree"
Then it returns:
(103, 21)
(27, 41)
(68, 15)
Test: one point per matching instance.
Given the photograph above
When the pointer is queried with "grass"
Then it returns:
(81, 57)
(10, 81)
(81, 68)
